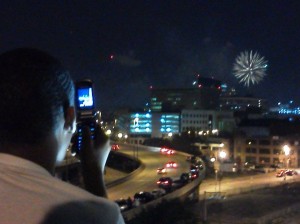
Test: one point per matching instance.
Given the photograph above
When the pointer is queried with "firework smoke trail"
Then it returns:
(250, 68)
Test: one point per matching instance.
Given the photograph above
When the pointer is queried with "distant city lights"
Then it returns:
(287, 108)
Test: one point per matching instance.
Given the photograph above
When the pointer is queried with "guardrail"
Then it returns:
(190, 190)
(130, 175)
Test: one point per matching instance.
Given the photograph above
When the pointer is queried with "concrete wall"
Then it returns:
(181, 193)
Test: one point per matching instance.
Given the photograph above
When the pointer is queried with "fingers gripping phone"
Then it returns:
(85, 107)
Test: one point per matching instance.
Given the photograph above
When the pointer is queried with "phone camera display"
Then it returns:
(85, 97)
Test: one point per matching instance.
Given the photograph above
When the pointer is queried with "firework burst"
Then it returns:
(250, 68)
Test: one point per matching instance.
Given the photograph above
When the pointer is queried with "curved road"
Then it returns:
(146, 179)
(152, 158)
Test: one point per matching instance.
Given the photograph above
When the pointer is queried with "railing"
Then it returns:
(190, 190)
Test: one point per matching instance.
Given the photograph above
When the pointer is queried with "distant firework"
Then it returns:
(250, 68)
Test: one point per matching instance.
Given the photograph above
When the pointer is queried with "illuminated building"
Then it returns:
(267, 150)
(285, 110)
(261, 141)
(141, 123)
(198, 120)
(160, 124)
(206, 121)
(145, 124)
(165, 124)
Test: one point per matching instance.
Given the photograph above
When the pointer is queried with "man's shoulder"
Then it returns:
(79, 204)
(84, 211)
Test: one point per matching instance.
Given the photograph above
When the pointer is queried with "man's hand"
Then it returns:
(93, 155)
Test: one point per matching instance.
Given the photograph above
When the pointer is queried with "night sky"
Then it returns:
(160, 43)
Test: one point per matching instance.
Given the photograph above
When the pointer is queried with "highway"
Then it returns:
(146, 179)
(152, 158)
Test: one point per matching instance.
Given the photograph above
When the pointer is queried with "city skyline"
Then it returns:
(127, 46)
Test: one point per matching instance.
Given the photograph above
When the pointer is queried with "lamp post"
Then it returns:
(217, 160)
(287, 151)
(222, 155)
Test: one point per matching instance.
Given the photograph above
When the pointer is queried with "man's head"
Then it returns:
(35, 92)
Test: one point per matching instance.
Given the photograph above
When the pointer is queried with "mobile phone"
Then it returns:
(85, 110)
(84, 98)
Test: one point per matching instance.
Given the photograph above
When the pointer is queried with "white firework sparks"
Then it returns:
(250, 68)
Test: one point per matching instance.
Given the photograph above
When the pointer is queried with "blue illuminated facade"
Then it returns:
(294, 111)
(140, 123)
(288, 109)
(160, 124)
(169, 123)
(154, 124)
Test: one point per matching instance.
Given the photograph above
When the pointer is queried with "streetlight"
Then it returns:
(108, 132)
(287, 151)
(219, 156)
(222, 154)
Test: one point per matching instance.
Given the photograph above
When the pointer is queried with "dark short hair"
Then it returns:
(34, 90)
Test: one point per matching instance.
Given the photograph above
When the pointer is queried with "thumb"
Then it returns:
(101, 138)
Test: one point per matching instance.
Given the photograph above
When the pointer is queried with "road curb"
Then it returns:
(130, 175)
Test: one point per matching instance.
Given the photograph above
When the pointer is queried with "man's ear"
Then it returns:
(70, 120)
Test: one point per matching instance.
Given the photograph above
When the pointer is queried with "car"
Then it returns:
(142, 197)
(165, 182)
(194, 167)
(161, 170)
(170, 152)
(171, 164)
(291, 172)
(164, 150)
(124, 204)
(280, 173)
(159, 192)
(194, 175)
(185, 177)
(115, 147)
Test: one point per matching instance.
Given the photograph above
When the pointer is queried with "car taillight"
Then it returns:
(158, 182)
(175, 165)
(166, 182)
